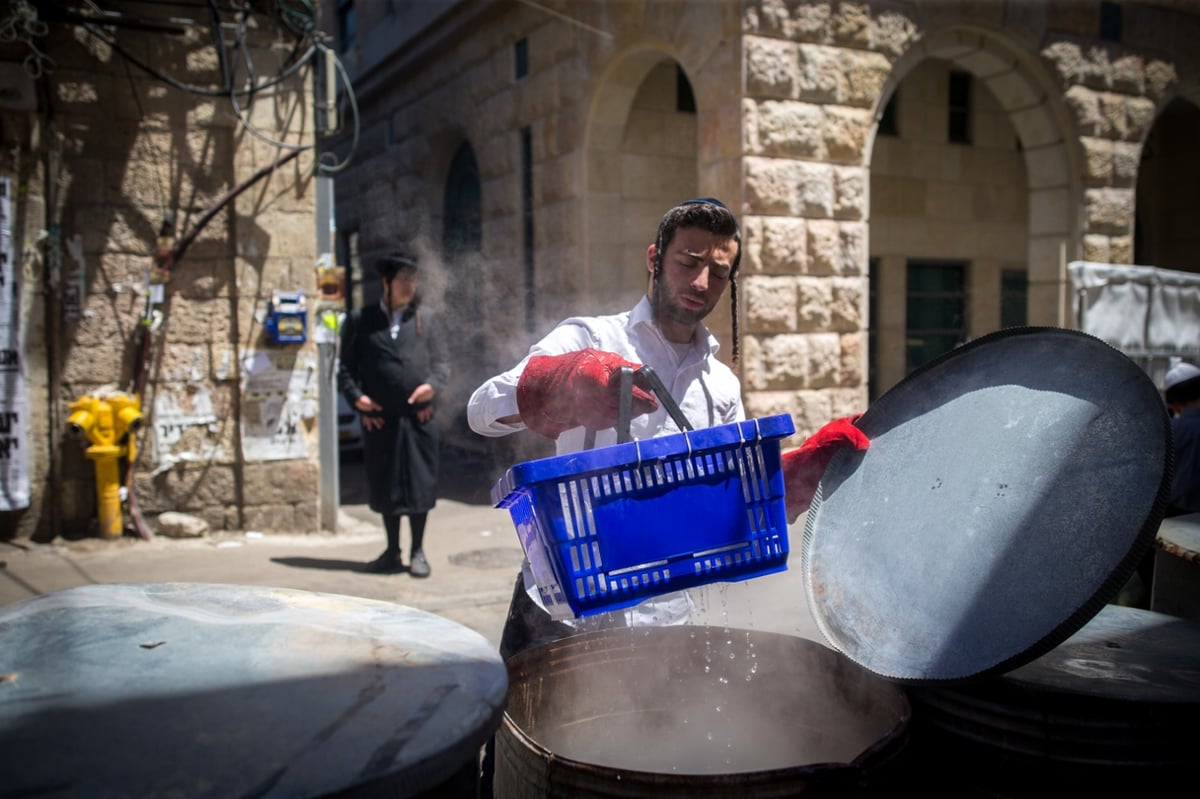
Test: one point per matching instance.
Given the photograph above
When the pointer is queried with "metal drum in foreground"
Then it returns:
(694, 712)
(1113, 710)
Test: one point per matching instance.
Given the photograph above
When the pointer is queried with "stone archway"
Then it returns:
(1167, 226)
(1035, 110)
(1023, 103)
(640, 160)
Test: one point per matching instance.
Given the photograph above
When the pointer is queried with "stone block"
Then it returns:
(862, 78)
(1046, 166)
(846, 306)
(770, 186)
(1048, 211)
(810, 22)
(1121, 249)
(1012, 89)
(814, 189)
(771, 67)
(845, 133)
(1139, 117)
(854, 361)
(1037, 126)
(1098, 161)
(172, 524)
(1096, 248)
(1160, 77)
(769, 403)
(1108, 211)
(1114, 122)
(892, 32)
(815, 304)
(818, 76)
(824, 247)
(852, 240)
(1126, 158)
(273, 518)
(851, 24)
(823, 369)
(190, 487)
(788, 128)
(850, 192)
(770, 304)
(279, 482)
(784, 245)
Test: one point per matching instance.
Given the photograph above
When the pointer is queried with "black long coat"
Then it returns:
(401, 458)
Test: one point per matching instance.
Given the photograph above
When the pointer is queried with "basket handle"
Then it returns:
(625, 405)
(663, 395)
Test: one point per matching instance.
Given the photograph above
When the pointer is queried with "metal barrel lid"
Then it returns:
(1009, 491)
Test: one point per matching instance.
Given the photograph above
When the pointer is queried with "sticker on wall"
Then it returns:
(184, 423)
(279, 394)
(14, 419)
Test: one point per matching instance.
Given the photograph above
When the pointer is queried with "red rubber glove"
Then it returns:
(803, 467)
(576, 389)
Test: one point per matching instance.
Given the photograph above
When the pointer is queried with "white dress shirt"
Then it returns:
(706, 390)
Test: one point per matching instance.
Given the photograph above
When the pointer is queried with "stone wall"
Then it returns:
(122, 150)
(788, 95)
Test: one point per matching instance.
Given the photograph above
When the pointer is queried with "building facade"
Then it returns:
(909, 175)
(159, 168)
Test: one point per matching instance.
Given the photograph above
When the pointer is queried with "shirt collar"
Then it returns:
(642, 315)
(393, 316)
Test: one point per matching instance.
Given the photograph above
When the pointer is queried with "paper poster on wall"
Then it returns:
(279, 393)
(14, 420)
(176, 416)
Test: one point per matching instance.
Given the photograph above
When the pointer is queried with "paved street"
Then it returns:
(471, 546)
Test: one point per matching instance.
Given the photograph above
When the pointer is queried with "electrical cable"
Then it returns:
(219, 44)
(243, 120)
(197, 90)
(332, 169)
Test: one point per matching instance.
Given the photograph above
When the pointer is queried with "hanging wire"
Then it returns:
(331, 169)
(202, 91)
(23, 25)
(242, 116)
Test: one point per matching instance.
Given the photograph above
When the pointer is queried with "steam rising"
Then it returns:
(699, 700)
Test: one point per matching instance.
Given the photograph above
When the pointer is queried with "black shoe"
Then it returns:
(387, 563)
(420, 566)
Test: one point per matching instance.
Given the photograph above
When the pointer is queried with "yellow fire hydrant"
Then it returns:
(109, 424)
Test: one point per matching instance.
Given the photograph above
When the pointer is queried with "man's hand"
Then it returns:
(803, 467)
(422, 394)
(558, 392)
(366, 405)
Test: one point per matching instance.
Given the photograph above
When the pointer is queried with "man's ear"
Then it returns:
(651, 251)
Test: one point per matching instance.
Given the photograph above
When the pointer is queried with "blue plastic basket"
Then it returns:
(607, 528)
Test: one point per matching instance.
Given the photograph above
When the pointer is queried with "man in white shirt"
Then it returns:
(568, 385)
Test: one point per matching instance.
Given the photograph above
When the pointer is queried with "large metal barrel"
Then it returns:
(1112, 711)
(695, 712)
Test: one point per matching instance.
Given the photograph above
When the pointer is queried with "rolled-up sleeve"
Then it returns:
(497, 398)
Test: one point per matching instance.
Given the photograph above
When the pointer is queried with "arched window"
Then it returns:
(463, 227)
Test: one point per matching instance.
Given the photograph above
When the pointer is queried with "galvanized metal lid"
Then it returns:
(204, 690)
(1009, 491)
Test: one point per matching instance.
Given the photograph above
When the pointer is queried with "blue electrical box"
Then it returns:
(287, 317)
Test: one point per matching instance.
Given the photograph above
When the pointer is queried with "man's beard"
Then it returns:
(667, 308)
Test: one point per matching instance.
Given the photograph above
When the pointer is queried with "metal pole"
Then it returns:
(326, 338)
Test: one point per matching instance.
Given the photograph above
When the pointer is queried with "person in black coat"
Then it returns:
(392, 362)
